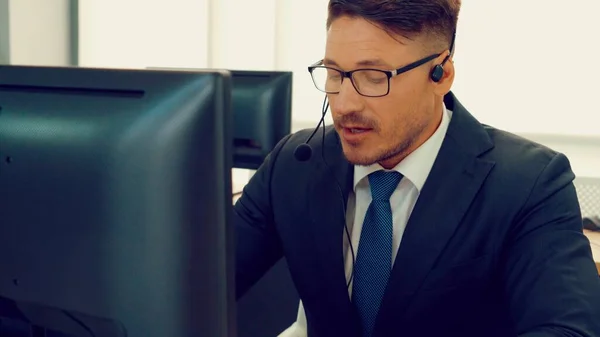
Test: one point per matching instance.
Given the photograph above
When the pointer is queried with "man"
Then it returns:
(411, 218)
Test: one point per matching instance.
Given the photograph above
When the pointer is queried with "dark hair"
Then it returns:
(407, 18)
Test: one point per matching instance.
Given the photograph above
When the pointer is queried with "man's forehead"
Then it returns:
(365, 62)
(367, 54)
(356, 43)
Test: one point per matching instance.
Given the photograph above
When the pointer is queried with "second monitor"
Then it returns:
(262, 113)
(261, 105)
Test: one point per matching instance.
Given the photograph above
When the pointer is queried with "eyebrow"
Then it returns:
(363, 63)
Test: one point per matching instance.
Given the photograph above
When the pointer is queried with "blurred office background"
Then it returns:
(525, 66)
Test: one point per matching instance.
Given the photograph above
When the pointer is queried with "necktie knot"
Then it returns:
(383, 184)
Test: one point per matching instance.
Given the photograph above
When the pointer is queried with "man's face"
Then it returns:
(380, 129)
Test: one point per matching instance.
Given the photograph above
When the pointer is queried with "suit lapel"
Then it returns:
(453, 182)
(329, 192)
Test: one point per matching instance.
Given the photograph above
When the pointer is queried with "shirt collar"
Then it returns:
(417, 165)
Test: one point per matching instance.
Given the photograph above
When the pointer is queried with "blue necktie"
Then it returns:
(374, 259)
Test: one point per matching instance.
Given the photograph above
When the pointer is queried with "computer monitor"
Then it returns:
(115, 202)
(262, 113)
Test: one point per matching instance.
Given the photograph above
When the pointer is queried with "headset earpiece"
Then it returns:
(437, 73)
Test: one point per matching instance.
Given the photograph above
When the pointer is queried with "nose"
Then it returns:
(348, 100)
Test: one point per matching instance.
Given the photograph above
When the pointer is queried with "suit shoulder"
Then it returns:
(521, 164)
(517, 152)
(524, 172)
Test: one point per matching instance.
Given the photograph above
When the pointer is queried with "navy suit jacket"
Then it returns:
(494, 245)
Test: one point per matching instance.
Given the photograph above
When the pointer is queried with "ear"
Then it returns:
(443, 86)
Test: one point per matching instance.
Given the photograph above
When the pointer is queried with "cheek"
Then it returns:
(397, 119)
(389, 114)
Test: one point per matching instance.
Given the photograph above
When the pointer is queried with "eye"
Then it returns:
(376, 80)
(333, 75)
(374, 77)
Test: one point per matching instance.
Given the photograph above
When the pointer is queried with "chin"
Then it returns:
(362, 155)
(357, 157)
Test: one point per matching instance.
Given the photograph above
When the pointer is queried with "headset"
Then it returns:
(303, 151)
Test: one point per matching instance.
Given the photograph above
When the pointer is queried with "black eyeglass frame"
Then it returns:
(388, 73)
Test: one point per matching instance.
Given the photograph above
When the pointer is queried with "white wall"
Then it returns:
(36, 32)
(243, 37)
(524, 66)
(143, 33)
(234, 34)
(527, 66)
(301, 42)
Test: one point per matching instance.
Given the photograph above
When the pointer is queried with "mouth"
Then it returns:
(356, 130)
(354, 134)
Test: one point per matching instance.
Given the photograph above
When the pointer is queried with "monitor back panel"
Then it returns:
(262, 104)
(115, 194)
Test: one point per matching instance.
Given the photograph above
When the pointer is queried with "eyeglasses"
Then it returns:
(367, 82)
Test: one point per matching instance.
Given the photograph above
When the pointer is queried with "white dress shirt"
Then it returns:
(415, 168)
